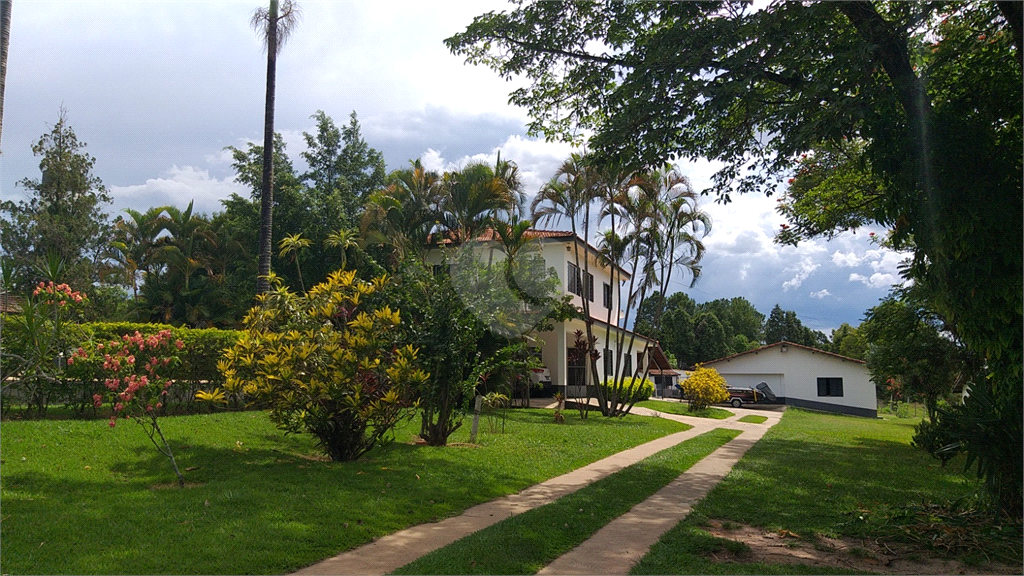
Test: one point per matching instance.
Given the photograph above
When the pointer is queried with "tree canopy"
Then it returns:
(930, 93)
(63, 217)
(931, 90)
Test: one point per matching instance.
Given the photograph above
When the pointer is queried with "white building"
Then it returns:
(804, 377)
(600, 285)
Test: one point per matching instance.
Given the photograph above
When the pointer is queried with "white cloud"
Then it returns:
(178, 187)
(432, 160)
(846, 260)
(803, 270)
(821, 294)
(876, 280)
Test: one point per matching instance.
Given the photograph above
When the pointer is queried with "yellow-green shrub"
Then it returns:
(327, 363)
(704, 387)
(630, 391)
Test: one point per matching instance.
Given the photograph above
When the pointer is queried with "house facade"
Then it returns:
(804, 377)
(601, 286)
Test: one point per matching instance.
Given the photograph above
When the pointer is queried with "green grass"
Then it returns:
(683, 409)
(754, 419)
(81, 498)
(525, 543)
(812, 474)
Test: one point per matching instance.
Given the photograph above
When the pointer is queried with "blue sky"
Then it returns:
(158, 89)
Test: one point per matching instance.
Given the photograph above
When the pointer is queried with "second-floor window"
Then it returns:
(607, 295)
(577, 284)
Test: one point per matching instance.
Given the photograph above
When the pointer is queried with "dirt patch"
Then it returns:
(784, 547)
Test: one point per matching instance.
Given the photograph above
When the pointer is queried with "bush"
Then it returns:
(36, 343)
(203, 349)
(703, 388)
(76, 386)
(630, 390)
(326, 363)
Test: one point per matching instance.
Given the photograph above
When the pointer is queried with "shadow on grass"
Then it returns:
(260, 502)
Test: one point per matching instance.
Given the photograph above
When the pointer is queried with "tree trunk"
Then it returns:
(5, 38)
(267, 191)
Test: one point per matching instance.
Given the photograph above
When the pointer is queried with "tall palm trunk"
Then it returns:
(5, 39)
(267, 191)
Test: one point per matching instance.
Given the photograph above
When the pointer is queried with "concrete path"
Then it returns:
(629, 537)
(620, 544)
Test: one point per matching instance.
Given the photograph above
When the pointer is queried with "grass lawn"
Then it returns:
(81, 498)
(683, 409)
(752, 419)
(812, 474)
(526, 543)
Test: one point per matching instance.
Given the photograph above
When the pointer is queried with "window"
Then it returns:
(627, 365)
(576, 285)
(609, 368)
(830, 386)
(573, 281)
(607, 295)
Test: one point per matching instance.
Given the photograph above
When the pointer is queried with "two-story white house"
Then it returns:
(598, 283)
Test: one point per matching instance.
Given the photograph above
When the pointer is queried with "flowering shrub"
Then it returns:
(35, 339)
(135, 369)
(704, 387)
(326, 363)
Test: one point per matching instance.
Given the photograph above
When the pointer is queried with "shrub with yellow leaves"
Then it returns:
(704, 387)
(326, 363)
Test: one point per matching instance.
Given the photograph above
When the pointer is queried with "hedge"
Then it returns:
(633, 390)
(202, 349)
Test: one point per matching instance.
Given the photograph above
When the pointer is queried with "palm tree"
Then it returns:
(344, 239)
(191, 242)
(405, 212)
(5, 38)
(274, 25)
(135, 240)
(292, 244)
(569, 195)
(477, 195)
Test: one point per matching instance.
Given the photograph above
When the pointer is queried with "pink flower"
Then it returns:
(97, 400)
(71, 360)
(113, 422)
(179, 344)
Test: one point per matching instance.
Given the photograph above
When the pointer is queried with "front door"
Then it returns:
(576, 374)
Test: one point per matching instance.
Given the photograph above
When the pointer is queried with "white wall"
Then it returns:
(794, 374)
(558, 257)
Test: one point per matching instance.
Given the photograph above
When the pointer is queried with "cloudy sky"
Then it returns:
(158, 89)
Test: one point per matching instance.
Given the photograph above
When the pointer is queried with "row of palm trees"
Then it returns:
(649, 227)
(419, 208)
(176, 264)
(654, 228)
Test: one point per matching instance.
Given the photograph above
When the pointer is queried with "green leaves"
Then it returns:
(330, 366)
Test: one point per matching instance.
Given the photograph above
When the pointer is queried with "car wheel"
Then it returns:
(736, 403)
